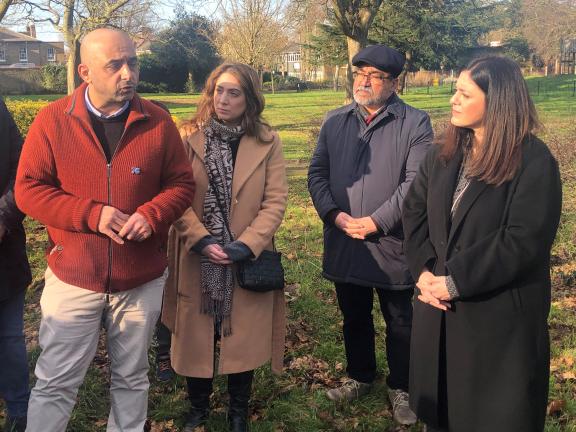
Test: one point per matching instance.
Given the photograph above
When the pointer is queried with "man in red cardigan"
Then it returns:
(106, 172)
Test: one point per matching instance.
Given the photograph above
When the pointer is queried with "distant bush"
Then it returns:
(54, 78)
(293, 83)
(148, 87)
(24, 112)
(319, 85)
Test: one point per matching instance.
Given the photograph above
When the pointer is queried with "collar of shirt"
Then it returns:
(369, 117)
(97, 113)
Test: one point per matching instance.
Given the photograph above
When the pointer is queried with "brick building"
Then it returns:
(19, 50)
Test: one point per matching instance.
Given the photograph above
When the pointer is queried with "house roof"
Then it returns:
(292, 48)
(7, 35)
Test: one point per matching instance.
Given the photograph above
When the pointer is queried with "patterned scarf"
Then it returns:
(217, 281)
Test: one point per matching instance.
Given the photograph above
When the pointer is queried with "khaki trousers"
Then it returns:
(69, 333)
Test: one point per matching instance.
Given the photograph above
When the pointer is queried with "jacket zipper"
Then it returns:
(109, 182)
(109, 185)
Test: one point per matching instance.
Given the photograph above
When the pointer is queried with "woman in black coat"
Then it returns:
(14, 278)
(479, 222)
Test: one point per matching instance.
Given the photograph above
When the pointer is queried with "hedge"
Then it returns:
(24, 112)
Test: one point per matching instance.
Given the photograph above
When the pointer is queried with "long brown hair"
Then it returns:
(252, 121)
(509, 118)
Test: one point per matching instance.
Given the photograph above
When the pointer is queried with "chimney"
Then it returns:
(31, 30)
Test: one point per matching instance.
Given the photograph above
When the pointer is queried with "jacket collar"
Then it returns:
(251, 153)
(394, 106)
(77, 107)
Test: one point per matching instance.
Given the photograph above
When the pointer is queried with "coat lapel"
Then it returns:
(475, 188)
(251, 153)
(197, 145)
(447, 184)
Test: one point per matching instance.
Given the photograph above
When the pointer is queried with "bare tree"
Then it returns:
(252, 32)
(354, 18)
(4, 5)
(304, 18)
(74, 18)
(544, 24)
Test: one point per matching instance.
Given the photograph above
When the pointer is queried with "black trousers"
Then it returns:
(163, 337)
(241, 381)
(356, 302)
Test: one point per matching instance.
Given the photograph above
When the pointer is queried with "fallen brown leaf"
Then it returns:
(555, 407)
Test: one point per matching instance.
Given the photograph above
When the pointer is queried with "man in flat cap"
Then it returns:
(367, 154)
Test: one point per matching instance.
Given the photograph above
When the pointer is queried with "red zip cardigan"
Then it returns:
(64, 180)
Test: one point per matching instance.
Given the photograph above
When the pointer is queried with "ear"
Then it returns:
(84, 72)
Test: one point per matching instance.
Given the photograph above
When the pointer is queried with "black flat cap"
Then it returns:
(381, 57)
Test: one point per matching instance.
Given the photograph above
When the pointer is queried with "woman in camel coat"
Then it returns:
(252, 333)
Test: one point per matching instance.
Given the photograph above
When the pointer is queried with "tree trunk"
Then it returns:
(73, 80)
(354, 46)
(4, 5)
(404, 74)
(272, 79)
(335, 78)
(557, 66)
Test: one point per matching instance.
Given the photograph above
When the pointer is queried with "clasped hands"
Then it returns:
(216, 254)
(118, 225)
(433, 290)
(357, 228)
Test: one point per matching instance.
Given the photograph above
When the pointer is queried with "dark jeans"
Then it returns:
(163, 337)
(14, 371)
(356, 305)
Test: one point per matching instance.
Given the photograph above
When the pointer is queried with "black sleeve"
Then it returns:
(238, 251)
(319, 178)
(419, 251)
(202, 243)
(10, 216)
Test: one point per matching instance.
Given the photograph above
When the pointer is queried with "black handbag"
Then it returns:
(262, 274)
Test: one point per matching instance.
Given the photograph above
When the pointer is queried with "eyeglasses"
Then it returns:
(372, 76)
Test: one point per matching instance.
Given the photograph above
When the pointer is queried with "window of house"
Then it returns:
(51, 54)
(23, 55)
(2, 55)
(293, 57)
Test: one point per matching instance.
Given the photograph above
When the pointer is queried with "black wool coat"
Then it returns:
(366, 171)
(497, 249)
(14, 268)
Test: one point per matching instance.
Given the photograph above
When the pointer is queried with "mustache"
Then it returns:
(364, 88)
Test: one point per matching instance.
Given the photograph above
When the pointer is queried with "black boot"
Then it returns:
(15, 424)
(199, 390)
(239, 389)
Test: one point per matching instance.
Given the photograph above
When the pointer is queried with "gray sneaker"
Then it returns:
(350, 390)
(402, 412)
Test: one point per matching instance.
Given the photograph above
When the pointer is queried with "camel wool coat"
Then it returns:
(259, 195)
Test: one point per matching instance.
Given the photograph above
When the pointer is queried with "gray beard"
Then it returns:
(372, 100)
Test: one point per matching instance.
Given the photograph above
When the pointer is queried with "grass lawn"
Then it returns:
(315, 357)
